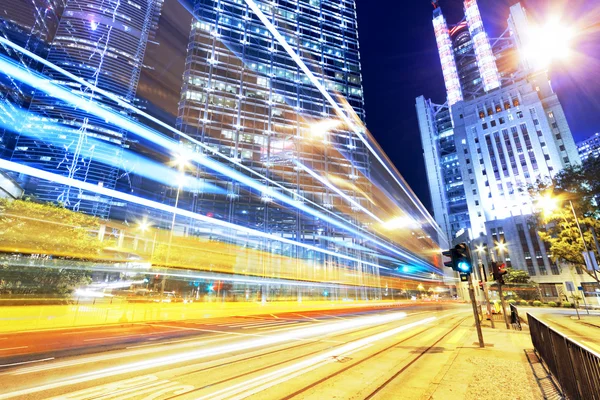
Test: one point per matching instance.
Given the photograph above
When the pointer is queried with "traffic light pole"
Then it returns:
(475, 313)
(503, 305)
(486, 295)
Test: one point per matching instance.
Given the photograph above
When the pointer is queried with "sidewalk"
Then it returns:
(498, 371)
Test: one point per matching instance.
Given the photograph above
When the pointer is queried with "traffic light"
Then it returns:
(460, 259)
(451, 255)
(464, 262)
(499, 270)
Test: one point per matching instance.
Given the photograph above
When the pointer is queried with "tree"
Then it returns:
(33, 233)
(516, 276)
(26, 280)
(27, 227)
(578, 186)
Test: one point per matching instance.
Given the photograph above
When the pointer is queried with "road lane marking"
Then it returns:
(267, 325)
(304, 316)
(333, 316)
(26, 362)
(14, 348)
(286, 327)
(174, 341)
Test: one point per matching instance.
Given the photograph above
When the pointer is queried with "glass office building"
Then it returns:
(269, 173)
(103, 43)
(250, 102)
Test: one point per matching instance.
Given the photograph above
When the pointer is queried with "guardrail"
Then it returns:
(576, 367)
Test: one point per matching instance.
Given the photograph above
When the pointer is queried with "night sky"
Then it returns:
(400, 62)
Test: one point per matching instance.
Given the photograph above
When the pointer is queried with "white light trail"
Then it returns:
(338, 109)
(23, 169)
(130, 107)
(45, 85)
(164, 361)
(327, 183)
(265, 381)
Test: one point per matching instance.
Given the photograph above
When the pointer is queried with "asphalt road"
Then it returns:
(355, 354)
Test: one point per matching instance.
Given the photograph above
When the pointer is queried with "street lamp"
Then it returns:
(321, 128)
(143, 226)
(547, 43)
(548, 204)
(181, 161)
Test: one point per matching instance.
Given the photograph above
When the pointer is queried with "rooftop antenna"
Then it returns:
(435, 4)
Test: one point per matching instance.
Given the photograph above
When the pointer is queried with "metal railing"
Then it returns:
(576, 367)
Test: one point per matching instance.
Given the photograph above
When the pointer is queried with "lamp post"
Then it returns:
(143, 226)
(486, 295)
(501, 246)
(181, 161)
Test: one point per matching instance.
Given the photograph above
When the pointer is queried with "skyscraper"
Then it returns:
(31, 25)
(274, 90)
(246, 97)
(102, 42)
(508, 131)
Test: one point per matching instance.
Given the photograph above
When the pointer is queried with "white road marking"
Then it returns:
(26, 362)
(14, 348)
(285, 328)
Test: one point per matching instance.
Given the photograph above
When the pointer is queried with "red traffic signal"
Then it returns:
(502, 269)
(499, 270)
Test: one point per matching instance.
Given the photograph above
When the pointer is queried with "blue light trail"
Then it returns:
(41, 83)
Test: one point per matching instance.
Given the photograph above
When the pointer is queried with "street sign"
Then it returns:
(570, 286)
(580, 288)
(590, 261)
(464, 277)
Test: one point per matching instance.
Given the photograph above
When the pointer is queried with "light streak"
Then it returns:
(164, 361)
(262, 382)
(46, 130)
(12, 166)
(337, 108)
(327, 183)
(45, 85)
(110, 116)
(128, 106)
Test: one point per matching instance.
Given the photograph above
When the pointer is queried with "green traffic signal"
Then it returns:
(460, 258)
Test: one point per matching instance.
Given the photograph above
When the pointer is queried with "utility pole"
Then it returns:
(597, 249)
(503, 305)
(462, 262)
(498, 271)
(486, 294)
(475, 313)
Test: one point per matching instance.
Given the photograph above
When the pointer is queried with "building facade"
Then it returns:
(245, 97)
(102, 43)
(590, 147)
(508, 131)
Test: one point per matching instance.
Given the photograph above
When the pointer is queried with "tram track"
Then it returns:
(374, 355)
